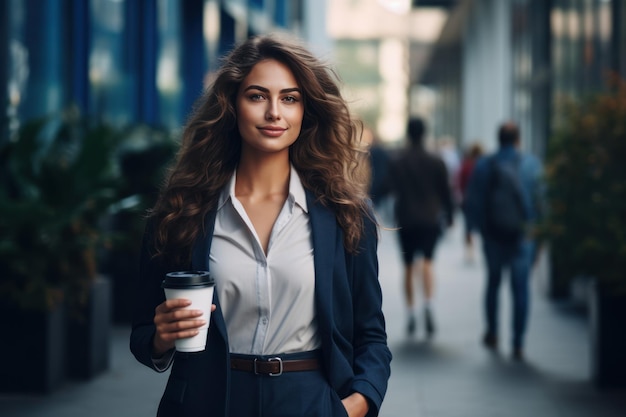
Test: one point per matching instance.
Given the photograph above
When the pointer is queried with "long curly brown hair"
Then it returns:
(327, 155)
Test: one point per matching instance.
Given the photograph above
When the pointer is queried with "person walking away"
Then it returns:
(423, 205)
(473, 153)
(379, 167)
(378, 159)
(447, 150)
(266, 194)
(503, 198)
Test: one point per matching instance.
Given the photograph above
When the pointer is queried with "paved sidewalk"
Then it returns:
(454, 376)
(450, 376)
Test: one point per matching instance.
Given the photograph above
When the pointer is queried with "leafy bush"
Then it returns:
(59, 178)
(586, 177)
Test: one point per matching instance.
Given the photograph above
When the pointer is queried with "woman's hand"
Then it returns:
(356, 405)
(173, 322)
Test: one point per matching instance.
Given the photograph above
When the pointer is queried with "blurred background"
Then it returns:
(96, 92)
(466, 64)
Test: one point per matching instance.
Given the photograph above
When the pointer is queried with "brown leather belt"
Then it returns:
(274, 366)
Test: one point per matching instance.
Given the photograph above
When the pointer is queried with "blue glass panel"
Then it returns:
(4, 70)
(259, 4)
(169, 79)
(78, 43)
(36, 50)
(281, 13)
(193, 54)
(227, 32)
(141, 55)
(112, 85)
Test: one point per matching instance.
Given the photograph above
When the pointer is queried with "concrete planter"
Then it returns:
(88, 336)
(33, 350)
(608, 338)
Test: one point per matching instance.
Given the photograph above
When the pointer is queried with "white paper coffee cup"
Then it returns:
(197, 287)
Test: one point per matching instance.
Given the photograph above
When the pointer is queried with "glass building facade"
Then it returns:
(122, 61)
(588, 43)
(519, 59)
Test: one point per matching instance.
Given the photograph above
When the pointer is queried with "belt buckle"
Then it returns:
(275, 359)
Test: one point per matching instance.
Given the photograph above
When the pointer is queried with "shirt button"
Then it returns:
(264, 320)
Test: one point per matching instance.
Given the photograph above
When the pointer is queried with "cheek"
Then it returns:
(244, 118)
(243, 126)
(297, 117)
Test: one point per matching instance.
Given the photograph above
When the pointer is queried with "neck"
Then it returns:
(262, 176)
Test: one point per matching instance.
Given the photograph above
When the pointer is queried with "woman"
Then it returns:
(473, 154)
(267, 195)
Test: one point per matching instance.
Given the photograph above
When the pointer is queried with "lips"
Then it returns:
(272, 131)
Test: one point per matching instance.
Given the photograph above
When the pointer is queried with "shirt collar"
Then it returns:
(296, 190)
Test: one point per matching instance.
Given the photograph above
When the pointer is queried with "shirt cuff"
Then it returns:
(162, 363)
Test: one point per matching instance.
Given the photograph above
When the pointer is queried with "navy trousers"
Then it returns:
(302, 394)
(518, 258)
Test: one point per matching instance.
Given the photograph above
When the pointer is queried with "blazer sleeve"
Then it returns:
(372, 356)
(148, 294)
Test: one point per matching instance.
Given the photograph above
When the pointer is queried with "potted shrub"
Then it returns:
(58, 181)
(143, 157)
(586, 218)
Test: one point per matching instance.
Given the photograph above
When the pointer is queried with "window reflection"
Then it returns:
(109, 80)
(35, 53)
(169, 81)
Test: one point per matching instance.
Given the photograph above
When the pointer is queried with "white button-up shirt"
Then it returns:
(267, 299)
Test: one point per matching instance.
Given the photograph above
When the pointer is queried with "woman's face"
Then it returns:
(269, 108)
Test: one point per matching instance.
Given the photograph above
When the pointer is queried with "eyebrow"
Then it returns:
(265, 90)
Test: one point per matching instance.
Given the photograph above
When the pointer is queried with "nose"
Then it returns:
(273, 112)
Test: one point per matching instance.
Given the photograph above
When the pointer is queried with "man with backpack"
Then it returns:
(503, 198)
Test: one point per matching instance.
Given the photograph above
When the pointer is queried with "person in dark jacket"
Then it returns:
(265, 195)
(379, 167)
(501, 252)
(423, 206)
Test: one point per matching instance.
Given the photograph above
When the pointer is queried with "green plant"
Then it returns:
(143, 158)
(586, 178)
(59, 178)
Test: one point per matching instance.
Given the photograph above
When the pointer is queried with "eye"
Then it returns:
(291, 99)
(256, 97)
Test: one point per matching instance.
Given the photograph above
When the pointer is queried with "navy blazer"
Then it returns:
(348, 300)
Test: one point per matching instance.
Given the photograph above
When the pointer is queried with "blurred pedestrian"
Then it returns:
(473, 153)
(379, 167)
(423, 206)
(378, 163)
(265, 195)
(447, 149)
(503, 198)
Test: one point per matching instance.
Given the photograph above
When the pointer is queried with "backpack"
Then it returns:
(505, 214)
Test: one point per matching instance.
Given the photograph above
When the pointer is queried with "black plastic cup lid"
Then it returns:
(188, 279)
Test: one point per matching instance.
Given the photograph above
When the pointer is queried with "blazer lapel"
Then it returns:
(324, 232)
(200, 262)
